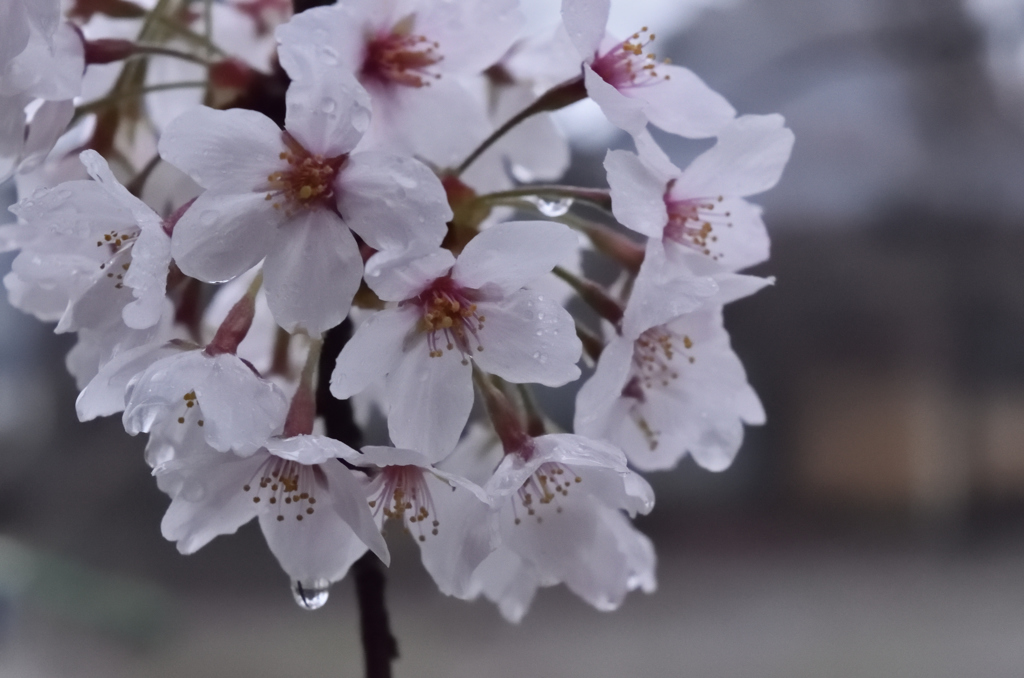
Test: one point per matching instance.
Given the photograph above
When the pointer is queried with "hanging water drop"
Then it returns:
(311, 595)
(553, 208)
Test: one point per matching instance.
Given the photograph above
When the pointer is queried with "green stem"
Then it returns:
(595, 196)
(555, 98)
(167, 51)
(593, 294)
(115, 97)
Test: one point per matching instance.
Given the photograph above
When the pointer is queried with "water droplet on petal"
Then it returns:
(328, 105)
(208, 217)
(311, 595)
(536, 356)
(540, 316)
(405, 182)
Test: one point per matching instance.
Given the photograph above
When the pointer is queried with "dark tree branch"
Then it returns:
(379, 646)
(303, 5)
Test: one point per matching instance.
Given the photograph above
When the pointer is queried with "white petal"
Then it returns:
(638, 195)
(585, 21)
(310, 449)
(373, 351)
(223, 235)
(392, 202)
(683, 105)
(598, 395)
(397, 276)
(430, 401)
(322, 547)
(624, 112)
(236, 148)
(322, 39)
(473, 34)
(513, 254)
(464, 537)
(529, 339)
(312, 272)
(350, 502)
(48, 124)
(747, 159)
(509, 581)
(328, 111)
(210, 501)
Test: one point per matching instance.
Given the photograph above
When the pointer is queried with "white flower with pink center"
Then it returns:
(632, 87)
(671, 386)
(698, 215)
(448, 313)
(417, 59)
(291, 197)
(559, 500)
(447, 515)
(311, 508)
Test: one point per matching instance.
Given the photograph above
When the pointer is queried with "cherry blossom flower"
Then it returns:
(667, 387)
(292, 197)
(92, 247)
(414, 58)
(632, 87)
(236, 409)
(701, 209)
(447, 515)
(559, 500)
(449, 313)
(312, 509)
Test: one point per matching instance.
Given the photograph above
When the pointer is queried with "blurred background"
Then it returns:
(874, 526)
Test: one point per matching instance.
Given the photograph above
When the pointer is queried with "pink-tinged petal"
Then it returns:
(737, 237)
(748, 158)
(638, 194)
(397, 276)
(349, 499)
(598, 395)
(464, 537)
(392, 202)
(509, 581)
(310, 449)
(373, 351)
(322, 39)
(527, 338)
(624, 112)
(234, 149)
(312, 272)
(430, 400)
(328, 112)
(151, 251)
(509, 256)
(48, 124)
(472, 35)
(210, 500)
(441, 123)
(732, 287)
(585, 22)
(319, 549)
(223, 235)
(683, 104)
(665, 290)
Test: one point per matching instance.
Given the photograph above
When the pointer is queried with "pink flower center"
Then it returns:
(692, 223)
(550, 481)
(401, 492)
(400, 57)
(626, 66)
(450, 319)
(654, 355)
(287, 485)
(308, 180)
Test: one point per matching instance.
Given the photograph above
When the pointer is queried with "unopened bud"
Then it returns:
(108, 50)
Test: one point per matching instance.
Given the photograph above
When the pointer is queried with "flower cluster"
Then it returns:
(385, 166)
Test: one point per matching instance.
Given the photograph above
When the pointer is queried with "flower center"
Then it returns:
(307, 182)
(450, 319)
(191, 403)
(401, 57)
(401, 492)
(626, 66)
(287, 485)
(692, 223)
(119, 245)
(654, 355)
(543, 488)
